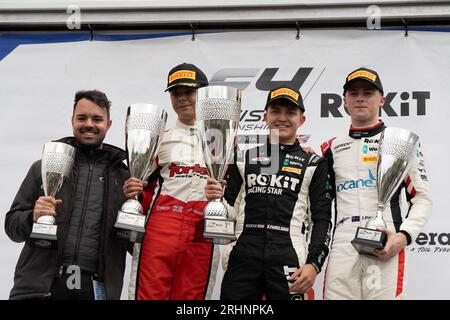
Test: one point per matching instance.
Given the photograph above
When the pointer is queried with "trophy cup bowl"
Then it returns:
(217, 116)
(57, 162)
(396, 149)
(144, 128)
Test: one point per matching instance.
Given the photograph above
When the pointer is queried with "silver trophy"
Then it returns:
(217, 115)
(397, 147)
(57, 162)
(144, 129)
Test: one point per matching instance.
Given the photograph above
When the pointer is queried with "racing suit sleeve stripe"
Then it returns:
(320, 208)
(326, 145)
(409, 188)
(419, 198)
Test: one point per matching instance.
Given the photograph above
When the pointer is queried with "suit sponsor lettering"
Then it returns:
(180, 170)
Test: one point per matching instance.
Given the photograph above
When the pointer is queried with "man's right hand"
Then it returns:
(45, 206)
(214, 189)
(133, 187)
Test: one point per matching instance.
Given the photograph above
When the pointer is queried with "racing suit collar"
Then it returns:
(358, 133)
(192, 129)
(181, 125)
(287, 147)
(290, 147)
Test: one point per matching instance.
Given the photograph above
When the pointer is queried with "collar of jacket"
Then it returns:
(114, 153)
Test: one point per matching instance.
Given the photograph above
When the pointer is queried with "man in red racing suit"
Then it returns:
(174, 261)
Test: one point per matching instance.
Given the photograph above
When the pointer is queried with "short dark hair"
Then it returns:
(96, 96)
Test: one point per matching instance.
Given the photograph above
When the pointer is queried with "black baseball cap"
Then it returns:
(286, 92)
(187, 75)
(366, 74)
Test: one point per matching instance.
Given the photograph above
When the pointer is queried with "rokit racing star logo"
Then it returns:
(185, 171)
(270, 184)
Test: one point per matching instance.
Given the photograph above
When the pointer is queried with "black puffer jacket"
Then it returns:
(82, 244)
(37, 267)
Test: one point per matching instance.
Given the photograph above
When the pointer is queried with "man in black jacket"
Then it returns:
(87, 256)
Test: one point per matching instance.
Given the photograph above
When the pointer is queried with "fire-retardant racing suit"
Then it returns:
(286, 206)
(353, 169)
(175, 261)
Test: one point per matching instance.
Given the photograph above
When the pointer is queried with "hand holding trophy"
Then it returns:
(57, 162)
(217, 116)
(144, 129)
(396, 149)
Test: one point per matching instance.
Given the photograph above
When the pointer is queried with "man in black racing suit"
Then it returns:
(284, 193)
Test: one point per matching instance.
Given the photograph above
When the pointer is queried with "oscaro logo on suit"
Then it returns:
(359, 183)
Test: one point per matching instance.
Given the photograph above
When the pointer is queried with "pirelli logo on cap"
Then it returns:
(286, 92)
(362, 74)
(182, 74)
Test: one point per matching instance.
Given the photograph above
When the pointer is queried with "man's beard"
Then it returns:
(89, 146)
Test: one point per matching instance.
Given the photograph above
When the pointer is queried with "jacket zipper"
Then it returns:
(100, 274)
(58, 267)
(103, 237)
(83, 212)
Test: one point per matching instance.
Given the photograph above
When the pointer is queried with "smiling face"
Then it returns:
(363, 102)
(183, 103)
(90, 123)
(283, 119)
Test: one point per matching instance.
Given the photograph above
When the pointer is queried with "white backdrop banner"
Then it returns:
(40, 73)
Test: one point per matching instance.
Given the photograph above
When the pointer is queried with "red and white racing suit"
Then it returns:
(175, 262)
(353, 162)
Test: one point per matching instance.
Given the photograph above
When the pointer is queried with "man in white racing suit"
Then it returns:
(353, 167)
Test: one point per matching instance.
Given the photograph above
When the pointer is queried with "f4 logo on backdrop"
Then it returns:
(398, 104)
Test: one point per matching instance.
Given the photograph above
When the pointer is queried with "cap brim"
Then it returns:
(183, 84)
(286, 98)
(347, 84)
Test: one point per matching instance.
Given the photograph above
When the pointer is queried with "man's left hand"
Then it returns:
(395, 243)
(304, 279)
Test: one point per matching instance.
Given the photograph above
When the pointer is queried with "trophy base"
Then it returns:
(220, 231)
(130, 221)
(44, 236)
(367, 240)
(128, 235)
